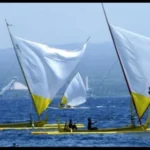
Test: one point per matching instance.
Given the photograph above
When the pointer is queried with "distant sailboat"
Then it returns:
(45, 70)
(14, 84)
(75, 93)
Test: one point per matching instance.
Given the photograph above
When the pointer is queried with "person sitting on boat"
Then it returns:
(74, 127)
(70, 124)
(90, 124)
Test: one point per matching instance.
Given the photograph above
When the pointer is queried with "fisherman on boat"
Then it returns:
(72, 126)
(70, 123)
(90, 124)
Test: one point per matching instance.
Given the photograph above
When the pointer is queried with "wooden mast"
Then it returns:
(21, 66)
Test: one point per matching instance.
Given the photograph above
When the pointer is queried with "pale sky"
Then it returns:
(63, 23)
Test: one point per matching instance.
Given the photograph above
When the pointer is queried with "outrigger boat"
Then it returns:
(133, 53)
(13, 85)
(45, 71)
(127, 129)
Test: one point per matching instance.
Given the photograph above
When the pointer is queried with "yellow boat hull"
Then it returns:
(99, 131)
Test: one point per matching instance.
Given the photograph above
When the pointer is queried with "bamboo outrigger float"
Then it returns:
(133, 53)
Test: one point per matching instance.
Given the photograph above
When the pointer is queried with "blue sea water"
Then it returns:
(107, 111)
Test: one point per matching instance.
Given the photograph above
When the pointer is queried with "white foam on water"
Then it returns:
(100, 106)
(104, 106)
(53, 107)
(70, 108)
(83, 107)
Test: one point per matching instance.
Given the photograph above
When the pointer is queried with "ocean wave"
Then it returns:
(100, 106)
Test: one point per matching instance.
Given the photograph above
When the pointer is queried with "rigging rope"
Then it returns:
(108, 72)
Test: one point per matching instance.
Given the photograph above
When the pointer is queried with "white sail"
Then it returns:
(134, 52)
(7, 87)
(46, 69)
(75, 93)
(13, 85)
(18, 86)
